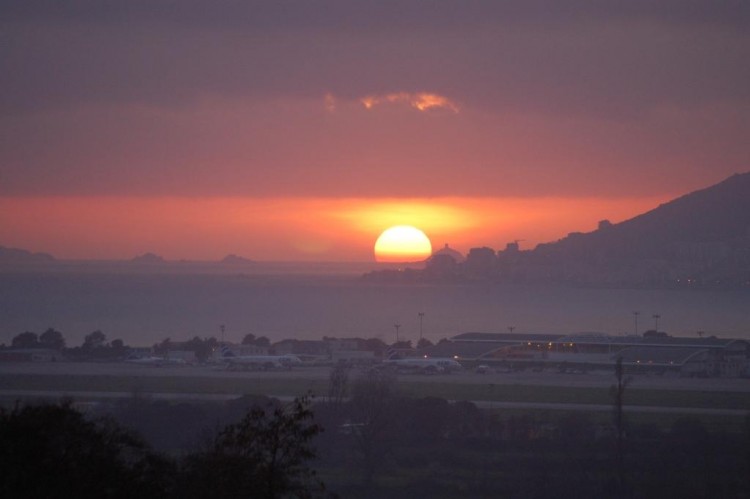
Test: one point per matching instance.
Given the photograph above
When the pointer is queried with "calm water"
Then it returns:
(144, 305)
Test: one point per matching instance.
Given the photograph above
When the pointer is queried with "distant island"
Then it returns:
(701, 239)
(235, 259)
(16, 256)
(148, 258)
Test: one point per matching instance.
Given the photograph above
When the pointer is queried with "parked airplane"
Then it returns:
(424, 365)
(260, 362)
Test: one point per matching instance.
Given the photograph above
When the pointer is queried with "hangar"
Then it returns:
(660, 353)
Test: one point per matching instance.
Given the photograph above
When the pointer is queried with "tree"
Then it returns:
(25, 340)
(264, 455)
(260, 341)
(403, 344)
(424, 343)
(118, 348)
(374, 345)
(52, 339)
(163, 347)
(48, 450)
(94, 340)
(373, 404)
(618, 393)
(203, 348)
(338, 384)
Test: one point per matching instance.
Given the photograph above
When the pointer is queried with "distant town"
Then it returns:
(699, 240)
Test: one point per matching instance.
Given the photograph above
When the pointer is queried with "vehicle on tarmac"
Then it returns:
(234, 362)
(423, 365)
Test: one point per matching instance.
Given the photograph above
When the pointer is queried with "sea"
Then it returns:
(143, 304)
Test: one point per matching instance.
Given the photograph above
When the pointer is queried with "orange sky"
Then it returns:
(320, 229)
(301, 133)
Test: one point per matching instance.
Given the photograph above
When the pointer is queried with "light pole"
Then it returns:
(222, 333)
(397, 326)
(656, 322)
(421, 316)
(635, 316)
(511, 329)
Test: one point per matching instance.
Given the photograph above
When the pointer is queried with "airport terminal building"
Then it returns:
(652, 352)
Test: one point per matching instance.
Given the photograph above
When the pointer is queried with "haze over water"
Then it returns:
(144, 305)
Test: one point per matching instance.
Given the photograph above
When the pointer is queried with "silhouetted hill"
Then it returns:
(704, 235)
(235, 259)
(148, 258)
(15, 255)
(716, 215)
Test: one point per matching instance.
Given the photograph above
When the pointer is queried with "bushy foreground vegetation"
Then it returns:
(377, 443)
(55, 451)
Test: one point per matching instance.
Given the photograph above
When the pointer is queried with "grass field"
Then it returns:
(285, 385)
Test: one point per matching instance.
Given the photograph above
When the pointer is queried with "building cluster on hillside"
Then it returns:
(577, 260)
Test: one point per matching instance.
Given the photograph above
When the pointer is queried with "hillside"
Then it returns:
(19, 256)
(702, 235)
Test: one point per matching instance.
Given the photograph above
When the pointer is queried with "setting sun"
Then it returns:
(402, 243)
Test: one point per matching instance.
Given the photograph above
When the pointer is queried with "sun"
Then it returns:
(402, 243)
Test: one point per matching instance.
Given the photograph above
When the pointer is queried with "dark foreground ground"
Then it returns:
(522, 434)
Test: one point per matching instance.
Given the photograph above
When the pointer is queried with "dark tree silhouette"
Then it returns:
(338, 384)
(373, 404)
(52, 339)
(118, 347)
(374, 345)
(424, 343)
(402, 344)
(249, 339)
(265, 455)
(262, 341)
(163, 347)
(203, 348)
(53, 451)
(25, 340)
(94, 340)
(618, 393)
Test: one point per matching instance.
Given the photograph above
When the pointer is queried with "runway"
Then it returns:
(96, 381)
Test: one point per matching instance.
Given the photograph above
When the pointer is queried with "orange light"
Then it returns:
(402, 243)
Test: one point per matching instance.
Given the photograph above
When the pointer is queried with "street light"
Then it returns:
(397, 326)
(635, 316)
(511, 329)
(222, 333)
(656, 322)
(421, 316)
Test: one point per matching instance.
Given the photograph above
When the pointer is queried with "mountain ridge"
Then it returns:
(716, 214)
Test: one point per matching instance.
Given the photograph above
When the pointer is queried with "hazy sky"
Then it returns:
(198, 128)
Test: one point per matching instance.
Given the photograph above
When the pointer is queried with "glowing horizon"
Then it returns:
(302, 134)
(294, 229)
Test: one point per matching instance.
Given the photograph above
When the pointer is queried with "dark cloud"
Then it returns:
(543, 55)
(77, 77)
(367, 15)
